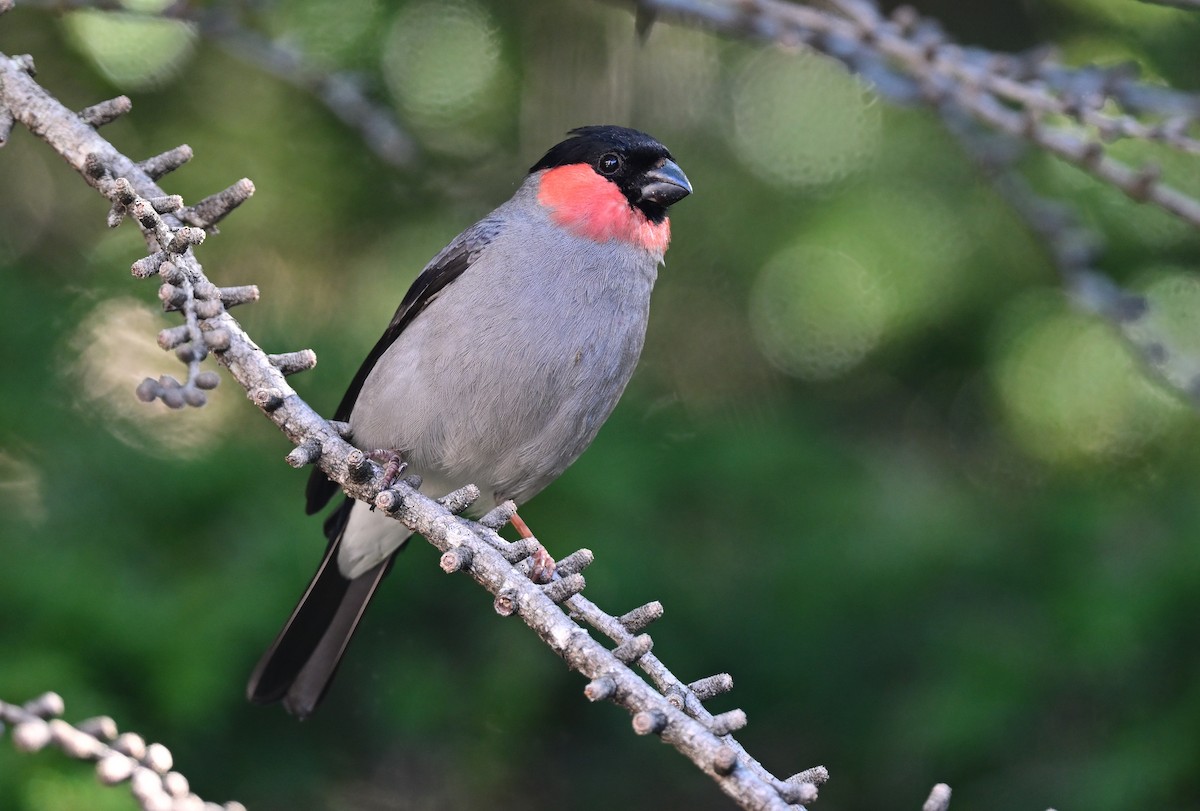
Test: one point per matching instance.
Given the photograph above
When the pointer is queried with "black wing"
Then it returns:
(445, 268)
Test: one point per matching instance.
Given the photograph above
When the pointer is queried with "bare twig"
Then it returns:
(909, 59)
(119, 757)
(673, 711)
(939, 798)
(211, 210)
(106, 111)
(1000, 105)
(341, 92)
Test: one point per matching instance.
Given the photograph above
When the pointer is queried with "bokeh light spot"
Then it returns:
(333, 37)
(1169, 331)
(442, 63)
(920, 247)
(816, 313)
(800, 120)
(131, 50)
(112, 351)
(686, 71)
(1071, 389)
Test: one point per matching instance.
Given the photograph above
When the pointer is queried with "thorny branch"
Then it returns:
(674, 711)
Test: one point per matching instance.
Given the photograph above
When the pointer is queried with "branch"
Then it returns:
(910, 60)
(340, 91)
(1075, 251)
(939, 798)
(677, 716)
(998, 105)
(1020, 98)
(118, 757)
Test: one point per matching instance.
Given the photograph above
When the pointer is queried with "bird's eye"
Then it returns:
(609, 163)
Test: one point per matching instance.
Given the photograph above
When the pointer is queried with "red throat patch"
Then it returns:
(593, 207)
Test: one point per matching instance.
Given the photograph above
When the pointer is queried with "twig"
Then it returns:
(341, 92)
(910, 60)
(678, 718)
(998, 105)
(1076, 250)
(939, 798)
(119, 757)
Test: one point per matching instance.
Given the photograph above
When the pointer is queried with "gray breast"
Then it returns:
(508, 374)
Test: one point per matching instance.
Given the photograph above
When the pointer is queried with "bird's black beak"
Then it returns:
(665, 184)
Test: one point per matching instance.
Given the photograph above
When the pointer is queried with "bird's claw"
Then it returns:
(393, 465)
(542, 570)
(541, 565)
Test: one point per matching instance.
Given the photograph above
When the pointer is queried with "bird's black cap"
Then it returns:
(630, 158)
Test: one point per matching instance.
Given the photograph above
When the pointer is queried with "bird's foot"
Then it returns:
(393, 465)
(543, 566)
(542, 570)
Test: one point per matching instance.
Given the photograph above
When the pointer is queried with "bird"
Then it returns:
(500, 365)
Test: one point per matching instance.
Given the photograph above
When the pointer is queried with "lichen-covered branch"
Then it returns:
(672, 709)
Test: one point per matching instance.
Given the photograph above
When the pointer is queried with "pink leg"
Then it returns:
(543, 564)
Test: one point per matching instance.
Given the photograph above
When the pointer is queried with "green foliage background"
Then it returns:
(935, 523)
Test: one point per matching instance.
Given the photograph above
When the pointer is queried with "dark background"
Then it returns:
(936, 523)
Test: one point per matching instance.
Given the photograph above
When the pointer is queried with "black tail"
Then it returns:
(299, 666)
